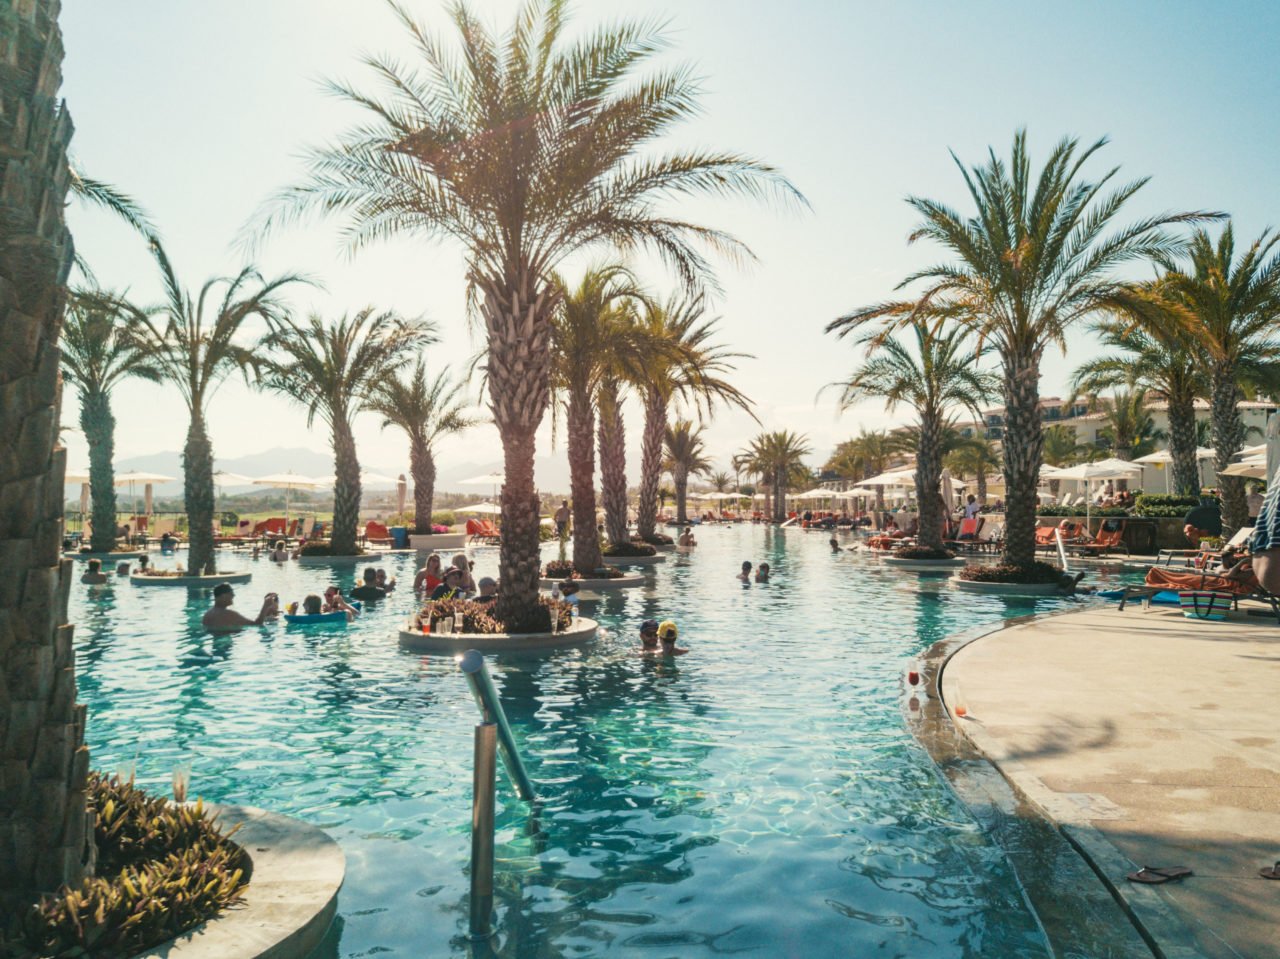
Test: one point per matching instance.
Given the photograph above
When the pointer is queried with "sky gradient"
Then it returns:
(202, 110)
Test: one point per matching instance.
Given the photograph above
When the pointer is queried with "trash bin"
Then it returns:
(400, 537)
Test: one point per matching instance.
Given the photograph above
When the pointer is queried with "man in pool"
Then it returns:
(762, 573)
(369, 591)
(686, 538)
(94, 575)
(667, 634)
(835, 546)
(649, 637)
(221, 618)
(488, 590)
(745, 575)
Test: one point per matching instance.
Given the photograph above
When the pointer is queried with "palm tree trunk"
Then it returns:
(43, 835)
(1023, 441)
(422, 466)
(680, 480)
(518, 324)
(655, 425)
(99, 428)
(346, 491)
(1182, 446)
(582, 485)
(928, 480)
(982, 485)
(779, 496)
(197, 488)
(613, 465)
(1228, 438)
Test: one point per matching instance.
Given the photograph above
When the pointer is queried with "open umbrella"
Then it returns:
(1110, 468)
(485, 509)
(133, 477)
(1165, 457)
(494, 479)
(288, 481)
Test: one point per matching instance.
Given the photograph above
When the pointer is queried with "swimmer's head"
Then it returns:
(667, 631)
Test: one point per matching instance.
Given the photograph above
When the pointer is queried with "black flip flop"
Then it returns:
(1152, 876)
(1270, 872)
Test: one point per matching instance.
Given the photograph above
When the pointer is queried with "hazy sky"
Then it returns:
(201, 110)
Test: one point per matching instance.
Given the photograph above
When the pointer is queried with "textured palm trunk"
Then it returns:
(982, 485)
(1023, 443)
(1182, 446)
(346, 491)
(422, 466)
(517, 321)
(44, 842)
(99, 428)
(928, 482)
(680, 480)
(197, 488)
(1228, 438)
(655, 425)
(613, 465)
(582, 485)
(779, 496)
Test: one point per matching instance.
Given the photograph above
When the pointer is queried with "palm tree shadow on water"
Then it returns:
(612, 769)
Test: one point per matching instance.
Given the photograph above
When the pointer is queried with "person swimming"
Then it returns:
(835, 545)
(745, 575)
(94, 575)
(649, 637)
(762, 573)
(667, 635)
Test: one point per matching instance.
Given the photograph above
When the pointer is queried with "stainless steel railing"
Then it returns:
(492, 732)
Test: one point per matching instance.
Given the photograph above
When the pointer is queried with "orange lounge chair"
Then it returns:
(375, 532)
(490, 532)
(1045, 537)
(273, 526)
(967, 538)
(1110, 539)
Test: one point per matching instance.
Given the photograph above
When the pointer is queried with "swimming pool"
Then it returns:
(761, 794)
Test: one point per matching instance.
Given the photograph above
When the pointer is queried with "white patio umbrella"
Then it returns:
(1165, 457)
(1253, 467)
(227, 478)
(76, 476)
(134, 477)
(481, 509)
(893, 478)
(494, 479)
(1110, 468)
(288, 481)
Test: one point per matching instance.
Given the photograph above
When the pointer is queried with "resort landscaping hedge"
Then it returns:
(161, 870)
(1036, 574)
(656, 539)
(478, 617)
(629, 549)
(923, 552)
(1164, 505)
(563, 569)
(1081, 511)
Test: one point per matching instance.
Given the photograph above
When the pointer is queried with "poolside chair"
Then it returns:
(272, 527)
(1045, 538)
(375, 532)
(1180, 581)
(1110, 539)
(490, 532)
(967, 538)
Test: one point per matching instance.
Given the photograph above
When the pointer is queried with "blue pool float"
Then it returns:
(320, 619)
(1166, 597)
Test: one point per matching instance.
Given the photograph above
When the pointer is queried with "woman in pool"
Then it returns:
(430, 576)
(313, 606)
(762, 573)
(278, 553)
(460, 562)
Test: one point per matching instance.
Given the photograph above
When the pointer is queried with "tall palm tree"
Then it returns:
(587, 332)
(99, 349)
(682, 365)
(866, 455)
(721, 481)
(933, 375)
(196, 349)
(526, 147)
(1142, 348)
(613, 457)
(777, 457)
(1130, 427)
(46, 762)
(975, 457)
(333, 370)
(425, 409)
(1228, 302)
(1036, 257)
(685, 456)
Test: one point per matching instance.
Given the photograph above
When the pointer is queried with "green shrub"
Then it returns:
(443, 518)
(1164, 505)
(1036, 574)
(162, 869)
(558, 569)
(478, 617)
(629, 549)
(1080, 511)
(923, 552)
(657, 539)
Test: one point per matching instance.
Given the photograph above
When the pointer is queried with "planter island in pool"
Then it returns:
(580, 632)
(108, 557)
(190, 582)
(1007, 589)
(339, 560)
(618, 582)
(925, 565)
(635, 560)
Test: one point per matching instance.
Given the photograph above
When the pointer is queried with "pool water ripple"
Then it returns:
(760, 795)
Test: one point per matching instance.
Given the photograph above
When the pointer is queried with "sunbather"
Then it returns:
(1239, 579)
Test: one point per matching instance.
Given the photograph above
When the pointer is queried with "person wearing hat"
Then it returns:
(488, 590)
(451, 588)
(221, 618)
(649, 637)
(667, 634)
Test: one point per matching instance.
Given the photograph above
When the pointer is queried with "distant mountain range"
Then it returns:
(552, 472)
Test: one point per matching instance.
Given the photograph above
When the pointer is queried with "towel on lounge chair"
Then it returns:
(1180, 580)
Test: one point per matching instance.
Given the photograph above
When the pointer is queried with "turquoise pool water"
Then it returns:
(761, 795)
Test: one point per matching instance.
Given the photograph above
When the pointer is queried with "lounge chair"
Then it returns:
(1045, 538)
(377, 533)
(967, 538)
(273, 527)
(1201, 558)
(1110, 539)
(1163, 579)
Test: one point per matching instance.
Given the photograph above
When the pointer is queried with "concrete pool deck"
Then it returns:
(1147, 737)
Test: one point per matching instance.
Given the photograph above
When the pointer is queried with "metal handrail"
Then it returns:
(486, 695)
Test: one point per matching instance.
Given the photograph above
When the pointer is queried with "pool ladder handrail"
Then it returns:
(486, 695)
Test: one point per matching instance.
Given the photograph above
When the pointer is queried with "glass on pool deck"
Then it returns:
(761, 794)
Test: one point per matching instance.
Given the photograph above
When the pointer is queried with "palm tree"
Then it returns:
(526, 148)
(866, 455)
(1143, 349)
(681, 364)
(685, 457)
(975, 457)
(46, 761)
(933, 375)
(777, 458)
(587, 333)
(195, 350)
(721, 482)
(1035, 258)
(426, 409)
(1227, 302)
(99, 349)
(1130, 428)
(613, 454)
(333, 370)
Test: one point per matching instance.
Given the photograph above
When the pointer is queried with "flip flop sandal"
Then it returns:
(1153, 876)
(1270, 872)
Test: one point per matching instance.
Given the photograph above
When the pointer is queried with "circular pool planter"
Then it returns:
(617, 582)
(190, 582)
(925, 565)
(635, 560)
(580, 632)
(108, 557)
(289, 903)
(339, 560)
(1007, 589)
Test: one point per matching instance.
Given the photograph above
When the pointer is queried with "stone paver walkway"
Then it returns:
(1161, 735)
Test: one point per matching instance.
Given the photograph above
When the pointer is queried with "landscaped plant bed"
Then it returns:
(633, 554)
(923, 558)
(474, 626)
(161, 869)
(582, 630)
(168, 577)
(659, 541)
(1038, 579)
(619, 581)
(107, 557)
(317, 554)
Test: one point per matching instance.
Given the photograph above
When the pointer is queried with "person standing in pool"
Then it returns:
(667, 634)
(221, 618)
(762, 573)
(835, 546)
(649, 637)
(745, 575)
(686, 538)
(94, 575)
(369, 591)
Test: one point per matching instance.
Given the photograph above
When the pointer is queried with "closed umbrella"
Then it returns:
(146, 500)
(402, 489)
(84, 503)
